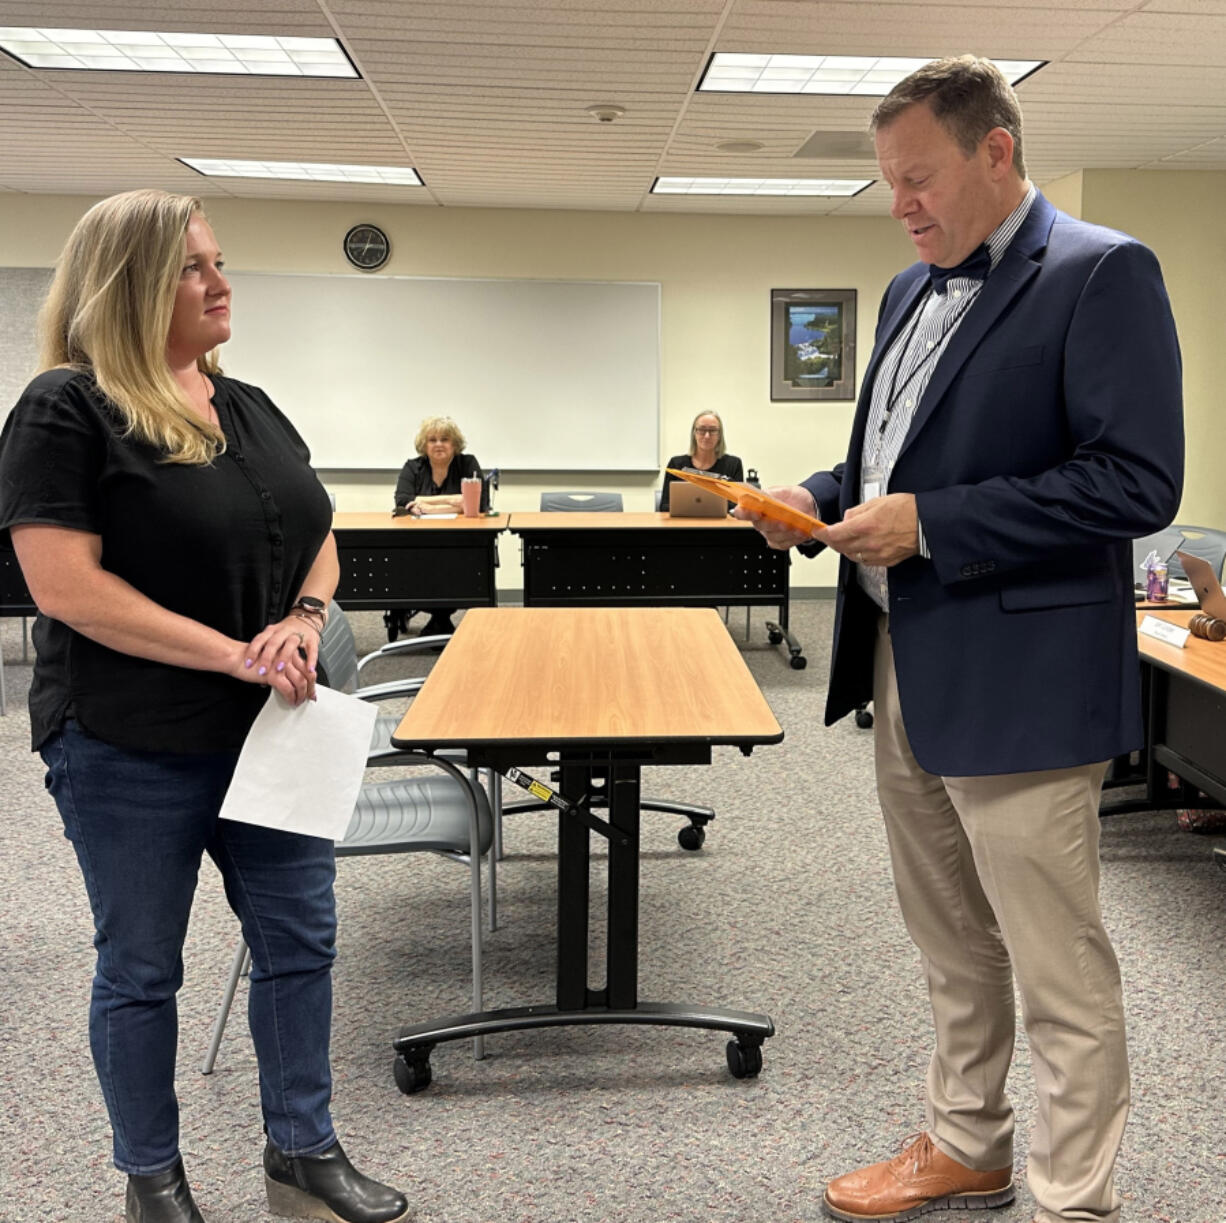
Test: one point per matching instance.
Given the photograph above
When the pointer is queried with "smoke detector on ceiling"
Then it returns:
(605, 112)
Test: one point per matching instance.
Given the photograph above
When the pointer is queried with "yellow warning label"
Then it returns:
(541, 791)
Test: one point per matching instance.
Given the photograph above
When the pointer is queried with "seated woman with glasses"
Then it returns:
(707, 453)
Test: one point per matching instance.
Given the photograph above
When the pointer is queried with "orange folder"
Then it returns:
(753, 499)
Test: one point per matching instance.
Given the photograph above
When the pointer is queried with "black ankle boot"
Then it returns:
(328, 1186)
(163, 1197)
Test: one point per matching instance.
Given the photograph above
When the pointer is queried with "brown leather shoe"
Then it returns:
(918, 1179)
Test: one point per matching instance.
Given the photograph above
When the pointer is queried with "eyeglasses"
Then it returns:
(706, 429)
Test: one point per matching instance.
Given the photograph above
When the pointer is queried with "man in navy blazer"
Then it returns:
(1020, 423)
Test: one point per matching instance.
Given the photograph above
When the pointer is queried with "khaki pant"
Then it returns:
(998, 877)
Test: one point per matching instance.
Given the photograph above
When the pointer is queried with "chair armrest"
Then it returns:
(393, 755)
(448, 760)
(392, 688)
(414, 645)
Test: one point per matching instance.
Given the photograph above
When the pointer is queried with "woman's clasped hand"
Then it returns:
(283, 656)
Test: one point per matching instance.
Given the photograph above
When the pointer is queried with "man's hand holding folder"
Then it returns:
(758, 507)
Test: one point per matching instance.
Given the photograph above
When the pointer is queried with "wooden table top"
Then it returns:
(593, 676)
(1201, 660)
(581, 520)
(385, 522)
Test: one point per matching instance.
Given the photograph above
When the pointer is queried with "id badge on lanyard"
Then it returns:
(873, 479)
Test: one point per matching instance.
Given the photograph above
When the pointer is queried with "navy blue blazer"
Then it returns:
(1049, 437)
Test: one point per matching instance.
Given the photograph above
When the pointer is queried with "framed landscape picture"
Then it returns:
(813, 344)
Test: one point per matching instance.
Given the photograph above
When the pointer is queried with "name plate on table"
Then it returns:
(1164, 630)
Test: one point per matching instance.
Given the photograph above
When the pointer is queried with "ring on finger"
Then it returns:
(301, 639)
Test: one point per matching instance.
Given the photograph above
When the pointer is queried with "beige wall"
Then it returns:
(1065, 193)
(716, 275)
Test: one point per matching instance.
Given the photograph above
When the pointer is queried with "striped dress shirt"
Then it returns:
(904, 374)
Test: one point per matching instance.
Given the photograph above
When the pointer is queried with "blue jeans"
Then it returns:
(139, 822)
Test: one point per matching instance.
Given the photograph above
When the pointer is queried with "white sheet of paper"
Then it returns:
(301, 767)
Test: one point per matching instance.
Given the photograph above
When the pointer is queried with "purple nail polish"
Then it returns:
(312, 670)
(280, 666)
(262, 671)
(248, 662)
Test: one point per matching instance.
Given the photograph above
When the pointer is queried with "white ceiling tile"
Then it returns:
(487, 100)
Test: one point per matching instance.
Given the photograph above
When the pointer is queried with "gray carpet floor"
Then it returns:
(788, 909)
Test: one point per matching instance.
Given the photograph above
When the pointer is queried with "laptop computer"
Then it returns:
(687, 500)
(1205, 583)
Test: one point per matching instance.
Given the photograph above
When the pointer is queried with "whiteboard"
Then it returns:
(539, 375)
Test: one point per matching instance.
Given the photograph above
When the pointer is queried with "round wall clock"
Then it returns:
(367, 247)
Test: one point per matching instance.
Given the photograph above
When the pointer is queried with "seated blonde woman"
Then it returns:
(707, 453)
(430, 484)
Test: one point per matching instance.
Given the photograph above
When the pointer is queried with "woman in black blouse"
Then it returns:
(178, 547)
(430, 484)
(707, 453)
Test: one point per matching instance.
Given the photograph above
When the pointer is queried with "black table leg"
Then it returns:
(574, 902)
(618, 1002)
(623, 933)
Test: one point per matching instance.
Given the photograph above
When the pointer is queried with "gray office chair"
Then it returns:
(1209, 543)
(603, 503)
(445, 815)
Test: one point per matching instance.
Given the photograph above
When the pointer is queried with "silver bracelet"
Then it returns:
(299, 616)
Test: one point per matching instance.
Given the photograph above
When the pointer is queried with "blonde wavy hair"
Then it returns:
(108, 314)
(440, 426)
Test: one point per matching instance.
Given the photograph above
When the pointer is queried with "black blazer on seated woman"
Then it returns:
(416, 480)
(727, 465)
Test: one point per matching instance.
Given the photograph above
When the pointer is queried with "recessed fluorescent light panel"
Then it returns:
(760, 186)
(309, 171)
(147, 51)
(875, 75)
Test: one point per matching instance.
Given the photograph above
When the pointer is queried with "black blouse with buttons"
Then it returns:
(228, 544)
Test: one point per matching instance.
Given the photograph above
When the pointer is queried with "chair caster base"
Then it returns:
(744, 1060)
(412, 1075)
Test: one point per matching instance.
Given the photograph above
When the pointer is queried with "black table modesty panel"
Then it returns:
(15, 598)
(417, 569)
(657, 567)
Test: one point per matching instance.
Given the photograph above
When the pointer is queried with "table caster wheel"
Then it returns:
(744, 1061)
(412, 1076)
(864, 719)
(774, 637)
(799, 662)
(691, 837)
